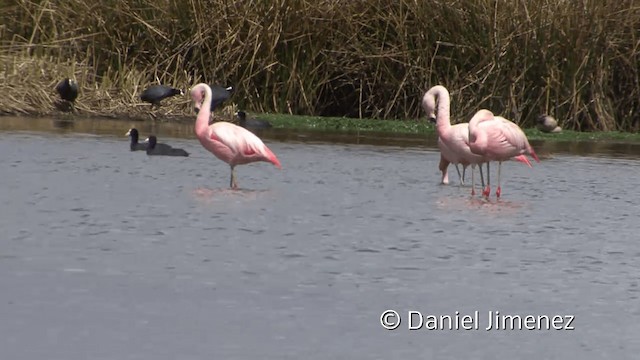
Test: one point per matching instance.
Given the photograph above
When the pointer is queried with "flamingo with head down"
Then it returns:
(228, 142)
(498, 139)
(453, 140)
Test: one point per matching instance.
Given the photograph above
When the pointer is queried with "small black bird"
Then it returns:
(156, 93)
(135, 145)
(219, 95)
(166, 150)
(251, 123)
(68, 89)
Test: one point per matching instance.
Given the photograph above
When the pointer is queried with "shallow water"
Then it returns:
(109, 254)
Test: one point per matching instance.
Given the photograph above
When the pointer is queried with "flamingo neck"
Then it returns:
(443, 116)
(478, 136)
(202, 121)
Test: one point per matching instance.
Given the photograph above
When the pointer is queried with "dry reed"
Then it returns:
(578, 61)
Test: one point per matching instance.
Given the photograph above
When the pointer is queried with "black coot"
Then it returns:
(166, 150)
(68, 89)
(219, 95)
(156, 93)
(251, 123)
(135, 145)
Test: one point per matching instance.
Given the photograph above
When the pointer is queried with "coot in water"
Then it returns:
(135, 145)
(166, 150)
(156, 93)
(251, 123)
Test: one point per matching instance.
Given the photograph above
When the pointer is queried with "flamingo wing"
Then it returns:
(514, 134)
(501, 144)
(242, 143)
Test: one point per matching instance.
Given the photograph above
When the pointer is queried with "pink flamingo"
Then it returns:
(228, 142)
(453, 140)
(498, 139)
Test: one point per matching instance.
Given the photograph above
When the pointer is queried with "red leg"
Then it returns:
(499, 190)
(487, 190)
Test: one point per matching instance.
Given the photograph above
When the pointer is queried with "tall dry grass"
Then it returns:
(577, 60)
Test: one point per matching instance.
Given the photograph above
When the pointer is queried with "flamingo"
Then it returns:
(498, 139)
(453, 140)
(230, 143)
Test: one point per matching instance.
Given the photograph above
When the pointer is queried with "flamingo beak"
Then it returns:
(432, 119)
(146, 140)
(128, 133)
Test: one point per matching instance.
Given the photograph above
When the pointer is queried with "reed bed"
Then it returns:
(578, 61)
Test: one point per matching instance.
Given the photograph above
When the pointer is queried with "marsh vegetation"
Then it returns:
(578, 61)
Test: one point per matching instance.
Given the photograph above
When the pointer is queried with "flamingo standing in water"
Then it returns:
(228, 142)
(453, 140)
(498, 139)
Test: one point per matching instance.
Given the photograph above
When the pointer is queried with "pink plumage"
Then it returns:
(230, 143)
(453, 140)
(498, 139)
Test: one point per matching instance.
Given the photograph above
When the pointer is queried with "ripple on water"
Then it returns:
(208, 195)
(338, 234)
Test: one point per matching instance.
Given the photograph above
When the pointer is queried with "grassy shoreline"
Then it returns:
(421, 126)
(345, 125)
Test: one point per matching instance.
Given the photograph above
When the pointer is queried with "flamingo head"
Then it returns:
(197, 95)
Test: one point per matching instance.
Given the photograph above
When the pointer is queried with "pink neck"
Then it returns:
(443, 122)
(202, 121)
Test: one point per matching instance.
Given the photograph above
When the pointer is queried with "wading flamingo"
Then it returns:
(498, 139)
(453, 140)
(230, 143)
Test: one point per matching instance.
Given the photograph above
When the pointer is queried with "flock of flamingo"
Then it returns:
(484, 139)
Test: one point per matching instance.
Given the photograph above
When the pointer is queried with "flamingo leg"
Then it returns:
(464, 173)
(461, 177)
(498, 190)
(487, 190)
(473, 181)
(232, 183)
(444, 164)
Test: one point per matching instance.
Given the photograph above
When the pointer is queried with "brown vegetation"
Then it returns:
(576, 60)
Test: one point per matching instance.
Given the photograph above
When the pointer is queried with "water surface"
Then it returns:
(110, 254)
